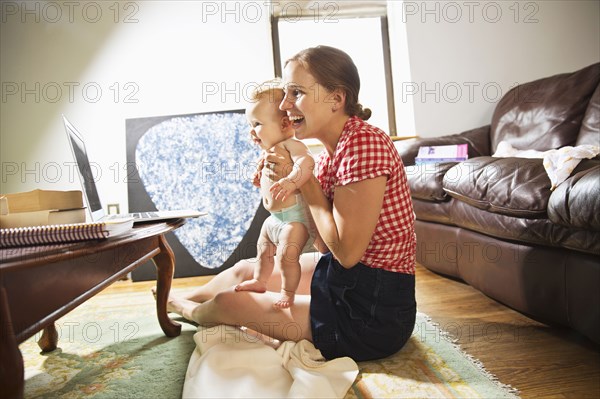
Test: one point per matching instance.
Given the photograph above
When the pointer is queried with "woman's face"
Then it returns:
(307, 103)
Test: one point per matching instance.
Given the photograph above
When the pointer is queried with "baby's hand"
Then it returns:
(282, 189)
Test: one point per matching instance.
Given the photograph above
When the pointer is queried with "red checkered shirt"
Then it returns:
(366, 152)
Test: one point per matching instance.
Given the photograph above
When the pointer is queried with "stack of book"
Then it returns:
(442, 153)
(45, 217)
(41, 207)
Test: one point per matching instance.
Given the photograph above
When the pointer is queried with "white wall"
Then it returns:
(161, 56)
(465, 55)
(158, 58)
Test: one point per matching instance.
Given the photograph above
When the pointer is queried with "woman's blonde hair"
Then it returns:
(334, 69)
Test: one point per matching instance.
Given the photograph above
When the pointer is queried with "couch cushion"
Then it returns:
(509, 186)
(539, 231)
(425, 180)
(590, 126)
(576, 202)
(432, 211)
(544, 114)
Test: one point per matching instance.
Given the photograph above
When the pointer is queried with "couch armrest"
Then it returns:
(478, 140)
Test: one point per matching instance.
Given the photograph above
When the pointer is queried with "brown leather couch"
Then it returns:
(495, 223)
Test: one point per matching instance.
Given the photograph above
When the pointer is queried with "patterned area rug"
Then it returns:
(113, 347)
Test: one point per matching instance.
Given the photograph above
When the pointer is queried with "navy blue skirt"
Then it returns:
(363, 313)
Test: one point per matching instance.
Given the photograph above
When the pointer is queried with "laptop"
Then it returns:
(91, 192)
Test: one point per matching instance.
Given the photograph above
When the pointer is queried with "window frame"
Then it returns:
(387, 65)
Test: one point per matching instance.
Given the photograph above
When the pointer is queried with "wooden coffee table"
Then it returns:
(40, 284)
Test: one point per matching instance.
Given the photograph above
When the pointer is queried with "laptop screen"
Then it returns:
(85, 170)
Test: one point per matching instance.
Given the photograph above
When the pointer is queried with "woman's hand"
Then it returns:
(258, 172)
(279, 164)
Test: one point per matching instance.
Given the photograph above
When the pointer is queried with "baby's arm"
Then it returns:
(301, 172)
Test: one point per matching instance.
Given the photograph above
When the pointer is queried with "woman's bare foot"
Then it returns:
(153, 289)
(182, 307)
(252, 285)
(286, 300)
(176, 304)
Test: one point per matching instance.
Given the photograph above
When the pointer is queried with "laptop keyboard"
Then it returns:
(143, 215)
(136, 215)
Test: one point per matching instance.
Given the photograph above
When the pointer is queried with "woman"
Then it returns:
(358, 300)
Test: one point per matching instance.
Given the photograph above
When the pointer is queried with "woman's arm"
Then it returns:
(320, 245)
(347, 225)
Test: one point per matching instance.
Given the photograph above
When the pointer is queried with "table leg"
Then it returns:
(165, 267)
(49, 340)
(11, 360)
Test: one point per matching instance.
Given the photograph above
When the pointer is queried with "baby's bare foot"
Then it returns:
(286, 300)
(252, 285)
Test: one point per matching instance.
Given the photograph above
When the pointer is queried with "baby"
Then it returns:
(289, 231)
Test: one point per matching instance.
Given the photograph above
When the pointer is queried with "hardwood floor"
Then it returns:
(540, 361)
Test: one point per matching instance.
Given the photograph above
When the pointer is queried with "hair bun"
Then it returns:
(363, 113)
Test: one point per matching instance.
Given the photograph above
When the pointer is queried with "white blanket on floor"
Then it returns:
(230, 363)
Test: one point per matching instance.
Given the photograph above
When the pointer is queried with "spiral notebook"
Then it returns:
(53, 234)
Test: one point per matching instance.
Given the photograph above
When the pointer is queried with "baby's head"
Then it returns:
(269, 124)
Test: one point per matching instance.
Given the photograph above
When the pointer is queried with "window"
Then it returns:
(357, 28)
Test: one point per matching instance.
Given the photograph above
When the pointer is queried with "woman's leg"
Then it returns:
(244, 270)
(241, 271)
(252, 310)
